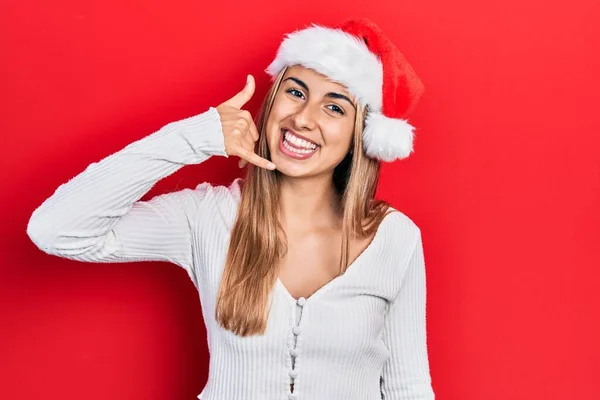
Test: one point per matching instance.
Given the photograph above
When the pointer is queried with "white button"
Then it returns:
(301, 301)
(293, 374)
(294, 352)
(296, 330)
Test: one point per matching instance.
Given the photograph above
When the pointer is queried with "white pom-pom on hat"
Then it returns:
(387, 139)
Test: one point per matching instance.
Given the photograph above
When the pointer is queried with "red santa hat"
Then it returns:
(361, 57)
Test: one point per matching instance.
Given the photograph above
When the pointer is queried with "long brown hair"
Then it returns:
(258, 241)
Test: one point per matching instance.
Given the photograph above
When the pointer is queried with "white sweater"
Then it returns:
(361, 336)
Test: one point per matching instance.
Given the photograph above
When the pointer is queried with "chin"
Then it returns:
(293, 171)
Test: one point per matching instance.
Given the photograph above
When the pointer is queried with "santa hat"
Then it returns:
(361, 57)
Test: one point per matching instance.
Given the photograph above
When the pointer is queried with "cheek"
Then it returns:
(279, 111)
(282, 108)
(339, 134)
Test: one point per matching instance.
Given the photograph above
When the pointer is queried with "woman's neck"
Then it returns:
(309, 201)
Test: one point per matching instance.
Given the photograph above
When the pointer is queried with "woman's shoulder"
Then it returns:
(399, 221)
(401, 231)
(218, 201)
(228, 193)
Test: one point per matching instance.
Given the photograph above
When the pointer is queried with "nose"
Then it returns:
(304, 118)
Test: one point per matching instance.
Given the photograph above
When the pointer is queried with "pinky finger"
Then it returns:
(257, 160)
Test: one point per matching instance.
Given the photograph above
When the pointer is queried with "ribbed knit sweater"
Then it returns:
(361, 336)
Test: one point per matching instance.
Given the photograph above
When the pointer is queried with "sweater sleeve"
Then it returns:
(406, 374)
(97, 216)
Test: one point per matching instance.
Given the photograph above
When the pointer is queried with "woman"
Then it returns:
(310, 288)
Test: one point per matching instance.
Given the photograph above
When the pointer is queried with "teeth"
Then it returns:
(299, 142)
(296, 150)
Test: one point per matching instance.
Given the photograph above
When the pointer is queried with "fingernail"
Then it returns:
(271, 166)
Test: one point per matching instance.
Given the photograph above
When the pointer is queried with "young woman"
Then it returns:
(310, 288)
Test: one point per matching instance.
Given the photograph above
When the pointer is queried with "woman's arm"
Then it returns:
(97, 216)
(406, 374)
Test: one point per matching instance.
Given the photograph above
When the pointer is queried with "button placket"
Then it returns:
(294, 351)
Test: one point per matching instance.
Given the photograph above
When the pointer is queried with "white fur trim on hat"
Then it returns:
(338, 55)
(386, 138)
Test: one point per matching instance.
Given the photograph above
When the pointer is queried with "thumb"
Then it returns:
(242, 97)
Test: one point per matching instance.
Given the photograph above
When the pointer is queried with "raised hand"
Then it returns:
(239, 131)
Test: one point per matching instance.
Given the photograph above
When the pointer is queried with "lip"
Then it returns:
(291, 154)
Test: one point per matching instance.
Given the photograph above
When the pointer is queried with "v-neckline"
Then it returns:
(330, 283)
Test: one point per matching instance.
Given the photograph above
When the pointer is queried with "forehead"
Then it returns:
(316, 81)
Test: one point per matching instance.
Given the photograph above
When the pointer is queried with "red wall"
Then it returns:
(505, 185)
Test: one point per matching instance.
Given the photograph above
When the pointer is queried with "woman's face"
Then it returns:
(311, 124)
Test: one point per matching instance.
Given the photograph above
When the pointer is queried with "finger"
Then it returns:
(242, 163)
(253, 131)
(244, 145)
(255, 159)
(242, 97)
(248, 143)
(251, 125)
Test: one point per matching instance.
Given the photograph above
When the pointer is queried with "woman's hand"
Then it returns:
(239, 129)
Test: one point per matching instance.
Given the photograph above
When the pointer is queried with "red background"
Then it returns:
(505, 185)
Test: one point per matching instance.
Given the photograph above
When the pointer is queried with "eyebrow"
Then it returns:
(332, 95)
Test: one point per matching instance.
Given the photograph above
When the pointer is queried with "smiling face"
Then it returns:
(311, 124)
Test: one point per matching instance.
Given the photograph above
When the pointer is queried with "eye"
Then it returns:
(337, 109)
(295, 92)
